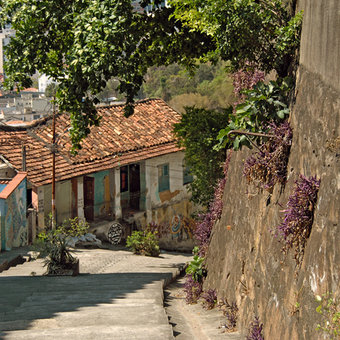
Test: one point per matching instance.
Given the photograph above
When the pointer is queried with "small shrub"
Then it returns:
(59, 257)
(298, 220)
(192, 289)
(210, 299)
(195, 274)
(73, 227)
(330, 311)
(255, 330)
(196, 268)
(268, 166)
(40, 244)
(144, 243)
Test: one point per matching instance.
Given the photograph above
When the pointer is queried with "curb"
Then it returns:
(5, 265)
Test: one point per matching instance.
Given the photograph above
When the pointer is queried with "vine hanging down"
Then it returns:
(298, 219)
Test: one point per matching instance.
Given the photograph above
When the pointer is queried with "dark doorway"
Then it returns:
(89, 198)
(134, 179)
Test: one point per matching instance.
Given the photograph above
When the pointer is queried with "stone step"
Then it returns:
(72, 301)
(109, 332)
(150, 315)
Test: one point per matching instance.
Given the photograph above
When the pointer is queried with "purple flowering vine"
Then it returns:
(255, 330)
(268, 166)
(297, 224)
(245, 79)
(210, 298)
(193, 289)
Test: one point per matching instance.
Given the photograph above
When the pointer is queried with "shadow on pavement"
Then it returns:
(24, 299)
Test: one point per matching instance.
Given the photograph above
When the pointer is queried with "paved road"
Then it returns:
(118, 295)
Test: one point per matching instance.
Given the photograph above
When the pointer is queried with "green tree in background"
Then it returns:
(82, 44)
(197, 132)
(210, 87)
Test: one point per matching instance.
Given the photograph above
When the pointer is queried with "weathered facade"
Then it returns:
(13, 206)
(128, 169)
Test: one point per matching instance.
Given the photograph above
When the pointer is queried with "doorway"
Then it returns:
(89, 198)
(134, 179)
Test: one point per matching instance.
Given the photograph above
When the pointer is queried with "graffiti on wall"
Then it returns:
(15, 218)
(182, 228)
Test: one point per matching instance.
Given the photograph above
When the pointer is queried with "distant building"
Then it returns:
(44, 81)
(5, 36)
(26, 106)
(138, 8)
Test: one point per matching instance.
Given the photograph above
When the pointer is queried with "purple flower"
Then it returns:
(255, 330)
(268, 166)
(210, 298)
(298, 218)
(192, 289)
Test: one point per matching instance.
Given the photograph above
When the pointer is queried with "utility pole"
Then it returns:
(53, 167)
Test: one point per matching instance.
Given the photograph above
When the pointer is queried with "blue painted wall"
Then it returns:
(14, 227)
(99, 192)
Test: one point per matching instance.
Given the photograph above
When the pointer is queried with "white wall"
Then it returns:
(175, 161)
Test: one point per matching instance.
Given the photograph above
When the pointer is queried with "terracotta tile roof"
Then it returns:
(117, 141)
(4, 181)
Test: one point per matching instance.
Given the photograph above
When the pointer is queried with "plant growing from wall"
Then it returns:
(193, 290)
(329, 309)
(245, 79)
(195, 274)
(231, 313)
(297, 224)
(255, 330)
(268, 166)
(196, 267)
(264, 103)
(209, 299)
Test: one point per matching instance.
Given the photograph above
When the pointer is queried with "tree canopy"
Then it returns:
(82, 44)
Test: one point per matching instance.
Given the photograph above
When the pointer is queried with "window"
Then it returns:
(163, 177)
(187, 177)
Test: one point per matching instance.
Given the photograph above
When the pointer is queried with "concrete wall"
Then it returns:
(245, 262)
(13, 222)
(63, 192)
(170, 209)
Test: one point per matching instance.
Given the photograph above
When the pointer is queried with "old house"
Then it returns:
(127, 169)
(13, 222)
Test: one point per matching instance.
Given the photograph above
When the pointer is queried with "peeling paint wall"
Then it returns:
(170, 209)
(63, 192)
(14, 227)
(101, 193)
